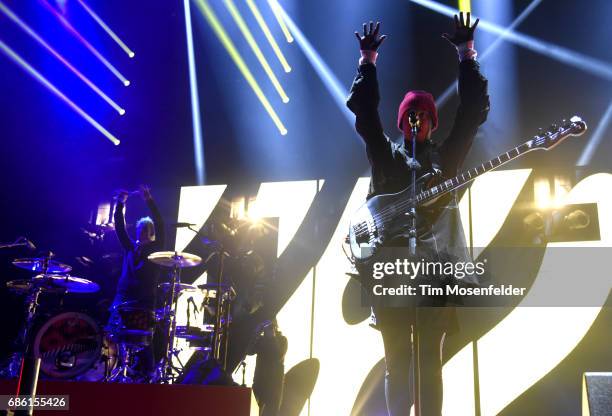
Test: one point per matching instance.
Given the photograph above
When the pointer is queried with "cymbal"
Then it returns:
(174, 259)
(35, 264)
(54, 283)
(22, 286)
(180, 287)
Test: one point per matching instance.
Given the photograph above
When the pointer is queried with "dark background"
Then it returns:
(55, 167)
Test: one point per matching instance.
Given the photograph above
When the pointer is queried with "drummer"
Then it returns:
(139, 277)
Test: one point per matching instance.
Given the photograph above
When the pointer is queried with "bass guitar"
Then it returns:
(385, 216)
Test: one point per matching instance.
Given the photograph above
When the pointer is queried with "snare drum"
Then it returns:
(134, 325)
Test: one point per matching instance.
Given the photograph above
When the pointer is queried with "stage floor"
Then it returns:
(111, 399)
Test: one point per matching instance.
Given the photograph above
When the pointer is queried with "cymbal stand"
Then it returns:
(166, 371)
(30, 365)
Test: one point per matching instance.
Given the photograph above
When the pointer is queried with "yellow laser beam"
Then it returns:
(44, 81)
(214, 23)
(465, 5)
(231, 7)
(266, 30)
(281, 22)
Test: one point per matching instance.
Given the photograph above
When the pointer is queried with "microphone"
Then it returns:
(30, 245)
(182, 224)
(26, 243)
(413, 119)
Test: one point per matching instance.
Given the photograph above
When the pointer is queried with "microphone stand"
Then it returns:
(412, 234)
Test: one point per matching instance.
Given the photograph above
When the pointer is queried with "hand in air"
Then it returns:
(145, 192)
(370, 40)
(463, 31)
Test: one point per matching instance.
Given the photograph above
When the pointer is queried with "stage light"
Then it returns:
(37, 76)
(85, 43)
(244, 29)
(493, 195)
(214, 23)
(279, 15)
(596, 138)
(331, 82)
(196, 123)
(107, 29)
(9, 13)
(559, 53)
(266, 30)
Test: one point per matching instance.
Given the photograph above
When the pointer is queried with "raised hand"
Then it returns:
(145, 192)
(463, 31)
(370, 40)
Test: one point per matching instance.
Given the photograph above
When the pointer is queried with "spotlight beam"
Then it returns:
(85, 43)
(559, 53)
(334, 86)
(278, 14)
(225, 40)
(596, 138)
(443, 98)
(198, 142)
(244, 29)
(465, 5)
(107, 29)
(59, 57)
(266, 30)
(44, 81)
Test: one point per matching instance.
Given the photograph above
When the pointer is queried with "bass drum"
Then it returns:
(71, 345)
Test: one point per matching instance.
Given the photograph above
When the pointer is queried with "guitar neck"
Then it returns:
(471, 174)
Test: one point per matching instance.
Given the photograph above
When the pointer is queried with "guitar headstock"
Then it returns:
(556, 134)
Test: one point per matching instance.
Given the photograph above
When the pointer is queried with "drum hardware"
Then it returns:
(132, 327)
(42, 265)
(221, 233)
(166, 371)
(50, 280)
(20, 242)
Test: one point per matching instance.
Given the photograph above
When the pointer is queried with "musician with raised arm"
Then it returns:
(138, 281)
(139, 278)
(439, 232)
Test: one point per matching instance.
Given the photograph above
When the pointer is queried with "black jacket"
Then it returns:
(139, 277)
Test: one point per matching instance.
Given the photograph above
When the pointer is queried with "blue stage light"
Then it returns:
(198, 142)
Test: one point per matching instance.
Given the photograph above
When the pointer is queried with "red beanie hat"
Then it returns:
(418, 100)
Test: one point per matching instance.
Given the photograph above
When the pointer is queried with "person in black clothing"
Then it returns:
(137, 285)
(440, 233)
(138, 281)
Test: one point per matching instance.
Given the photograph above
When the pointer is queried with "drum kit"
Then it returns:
(72, 345)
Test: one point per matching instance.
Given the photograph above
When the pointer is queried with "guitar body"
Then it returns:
(384, 216)
(377, 220)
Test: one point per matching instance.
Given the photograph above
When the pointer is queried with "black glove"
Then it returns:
(463, 31)
(370, 41)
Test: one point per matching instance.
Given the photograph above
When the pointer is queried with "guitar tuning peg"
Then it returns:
(553, 128)
(540, 132)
